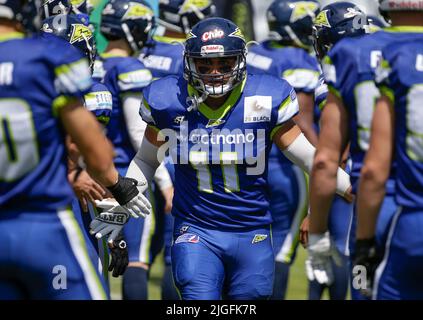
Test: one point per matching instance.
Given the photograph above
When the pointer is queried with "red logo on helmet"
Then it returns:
(214, 34)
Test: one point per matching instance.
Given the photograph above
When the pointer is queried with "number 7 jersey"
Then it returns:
(221, 155)
(36, 79)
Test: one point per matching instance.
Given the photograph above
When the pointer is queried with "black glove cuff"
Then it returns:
(124, 190)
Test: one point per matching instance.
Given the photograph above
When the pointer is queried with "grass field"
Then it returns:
(297, 285)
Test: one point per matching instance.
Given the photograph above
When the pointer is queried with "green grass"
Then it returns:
(297, 284)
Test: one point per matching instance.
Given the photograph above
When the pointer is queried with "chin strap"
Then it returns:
(194, 101)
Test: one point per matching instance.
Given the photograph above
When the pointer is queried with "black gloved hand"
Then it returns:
(119, 254)
(124, 190)
(369, 257)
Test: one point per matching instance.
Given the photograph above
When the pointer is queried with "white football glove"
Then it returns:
(321, 249)
(128, 193)
(108, 223)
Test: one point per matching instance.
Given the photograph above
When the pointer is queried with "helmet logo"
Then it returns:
(322, 19)
(136, 11)
(214, 34)
(191, 5)
(237, 34)
(80, 32)
(303, 9)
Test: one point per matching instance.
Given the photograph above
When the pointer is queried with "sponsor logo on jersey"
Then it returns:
(259, 238)
(303, 9)
(212, 49)
(257, 109)
(215, 123)
(188, 237)
(136, 11)
(322, 19)
(214, 34)
(80, 32)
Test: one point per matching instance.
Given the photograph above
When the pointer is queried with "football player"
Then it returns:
(41, 92)
(220, 124)
(286, 55)
(165, 57)
(349, 72)
(127, 25)
(395, 143)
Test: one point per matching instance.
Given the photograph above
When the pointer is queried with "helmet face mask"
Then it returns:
(215, 57)
(216, 76)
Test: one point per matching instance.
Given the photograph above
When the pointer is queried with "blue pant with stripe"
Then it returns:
(400, 275)
(43, 255)
(213, 264)
(386, 214)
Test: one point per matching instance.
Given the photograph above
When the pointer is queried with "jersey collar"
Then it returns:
(168, 39)
(112, 55)
(11, 36)
(219, 113)
(416, 29)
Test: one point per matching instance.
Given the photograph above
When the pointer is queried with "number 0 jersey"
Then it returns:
(37, 78)
(400, 77)
(221, 155)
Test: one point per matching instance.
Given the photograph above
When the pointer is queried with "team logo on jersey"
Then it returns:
(237, 34)
(188, 237)
(136, 11)
(191, 5)
(257, 109)
(183, 229)
(259, 238)
(215, 123)
(303, 9)
(80, 32)
(214, 34)
(179, 119)
(322, 19)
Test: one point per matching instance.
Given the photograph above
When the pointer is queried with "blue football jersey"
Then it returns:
(221, 155)
(99, 102)
(295, 65)
(164, 57)
(320, 95)
(121, 75)
(400, 77)
(349, 72)
(37, 78)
